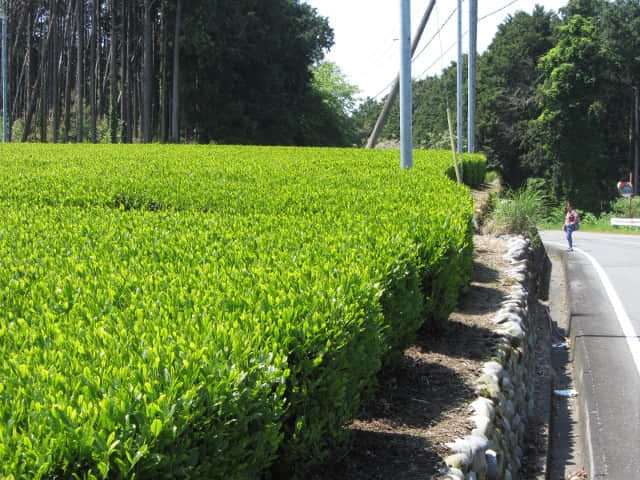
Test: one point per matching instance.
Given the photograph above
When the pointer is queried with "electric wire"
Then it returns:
(384, 90)
(498, 10)
(464, 34)
(378, 55)
(380, 59)
(443, 53)
(446, 92)
(435, 34)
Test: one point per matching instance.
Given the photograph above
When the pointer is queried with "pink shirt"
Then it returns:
(572, 218)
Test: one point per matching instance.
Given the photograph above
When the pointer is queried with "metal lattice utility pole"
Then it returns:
(406, 133)
(5, 130)
(471, 108)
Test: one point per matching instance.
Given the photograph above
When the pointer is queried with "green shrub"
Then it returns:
(474, 168)
(620, 208)
(208, 311)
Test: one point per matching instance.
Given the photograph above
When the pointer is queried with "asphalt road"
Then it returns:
(603, 295)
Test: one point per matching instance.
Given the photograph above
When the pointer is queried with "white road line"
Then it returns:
(623, 319)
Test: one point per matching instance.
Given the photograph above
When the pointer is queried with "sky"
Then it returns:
(366, 32)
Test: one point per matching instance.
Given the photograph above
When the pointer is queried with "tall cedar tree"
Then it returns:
(241, 71)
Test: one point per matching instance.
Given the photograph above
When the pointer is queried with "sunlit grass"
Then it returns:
(518, 212)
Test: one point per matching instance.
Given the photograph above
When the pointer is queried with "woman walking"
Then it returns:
(571, 224)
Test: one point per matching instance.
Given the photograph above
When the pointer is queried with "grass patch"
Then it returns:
(518, 212)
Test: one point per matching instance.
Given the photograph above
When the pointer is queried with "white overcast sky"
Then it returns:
(366, 31)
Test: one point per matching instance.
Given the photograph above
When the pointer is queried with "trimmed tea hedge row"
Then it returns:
(474, 169)
(206, 312)
(226, 180)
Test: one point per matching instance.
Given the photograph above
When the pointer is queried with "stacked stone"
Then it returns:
(506, 387)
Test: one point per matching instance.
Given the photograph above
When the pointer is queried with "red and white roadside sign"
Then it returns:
(625, 189)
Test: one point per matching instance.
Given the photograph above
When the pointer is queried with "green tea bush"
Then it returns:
(208, 312)
(474, 169)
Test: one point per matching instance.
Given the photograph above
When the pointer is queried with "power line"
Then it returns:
(437, 60)
(378, 56)
(498, 10)
(415, 57)
(389, 85)
(445, 52)
(440, 37)
(381, 58)
(464, 34)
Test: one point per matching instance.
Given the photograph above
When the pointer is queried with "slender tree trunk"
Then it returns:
(100, 65)
(93, 69)
(147, 74)
(131, 85)
(43, 100)
(163, 73)
(113, 109)
(124, 79)
(18, 89)
(47, 70)
(68, 42)
(135, 104)
(43, 72)
(37, 88)
(176, 76)
(27, 75)
(14, 59)
(80, 20)
(62, 77)
(55, 80)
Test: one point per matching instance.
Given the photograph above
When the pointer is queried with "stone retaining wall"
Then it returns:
(506, 387)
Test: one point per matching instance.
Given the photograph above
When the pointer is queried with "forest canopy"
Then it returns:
(160, 70)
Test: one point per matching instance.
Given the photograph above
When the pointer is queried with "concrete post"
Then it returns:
(406, 131)
(471, 107)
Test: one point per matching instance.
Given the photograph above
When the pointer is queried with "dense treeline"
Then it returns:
(555, 101)
(167, 70)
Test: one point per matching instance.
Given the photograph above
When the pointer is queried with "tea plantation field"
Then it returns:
(210, 311)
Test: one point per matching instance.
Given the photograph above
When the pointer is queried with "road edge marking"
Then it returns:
(623, 319)
(632, 338)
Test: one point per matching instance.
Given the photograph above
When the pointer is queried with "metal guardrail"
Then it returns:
(625, 222)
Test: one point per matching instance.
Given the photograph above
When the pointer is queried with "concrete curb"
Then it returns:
(590, 444)
(543, 385)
